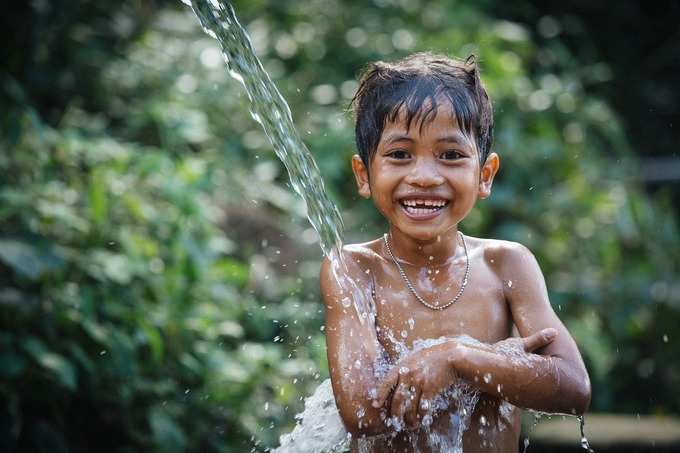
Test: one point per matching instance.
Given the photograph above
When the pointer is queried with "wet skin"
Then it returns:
(436, 165)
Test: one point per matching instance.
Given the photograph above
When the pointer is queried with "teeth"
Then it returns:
(434, 203)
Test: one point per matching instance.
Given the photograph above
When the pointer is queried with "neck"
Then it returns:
(435, 252)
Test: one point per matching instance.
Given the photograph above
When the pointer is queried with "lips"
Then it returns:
(423, 208)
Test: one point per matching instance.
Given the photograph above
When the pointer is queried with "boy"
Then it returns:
(424, 132)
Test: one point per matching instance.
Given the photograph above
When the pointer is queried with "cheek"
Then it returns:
(382, 201)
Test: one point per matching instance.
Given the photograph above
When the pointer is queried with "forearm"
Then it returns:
(354, 387)
(542, 383)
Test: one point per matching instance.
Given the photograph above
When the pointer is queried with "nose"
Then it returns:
(424, 173)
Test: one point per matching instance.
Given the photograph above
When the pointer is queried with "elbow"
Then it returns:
(361, 426)
(573, 390)
(581, 398)
(586, 396)
(353, 425)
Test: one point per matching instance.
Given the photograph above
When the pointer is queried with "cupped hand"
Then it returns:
(414, 382)
(418, 378)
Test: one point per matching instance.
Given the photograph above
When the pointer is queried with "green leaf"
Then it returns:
(167, 435)
(231, 270)
(53, 362)
(154, 339)
(97, 197)
(29, 260)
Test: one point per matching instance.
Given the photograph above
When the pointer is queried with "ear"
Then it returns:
(361, 176)
(487, 174)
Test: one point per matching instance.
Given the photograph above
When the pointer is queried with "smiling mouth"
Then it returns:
(422, 208)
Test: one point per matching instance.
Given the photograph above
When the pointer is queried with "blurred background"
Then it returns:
(158, 278)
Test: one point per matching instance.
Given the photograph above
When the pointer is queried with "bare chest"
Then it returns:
(481, 311)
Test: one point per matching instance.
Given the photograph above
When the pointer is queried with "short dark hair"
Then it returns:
(387, 90)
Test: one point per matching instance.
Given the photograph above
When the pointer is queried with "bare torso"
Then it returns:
(481, 313)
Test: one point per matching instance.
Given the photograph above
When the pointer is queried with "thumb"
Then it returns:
(539, 339)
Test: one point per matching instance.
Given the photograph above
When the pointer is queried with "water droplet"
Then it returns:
(487, 378)
(322, 328)
(102, 352)
(404, 334)
(357, 364)
(346, 302)
(509, 283)
(412, 324)
(482, 420)
(266, 406)
(403, 370)
(665, 338)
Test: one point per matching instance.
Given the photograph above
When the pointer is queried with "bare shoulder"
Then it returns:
(503, 257)
(516, 268)
(359, 261)
(365, 252)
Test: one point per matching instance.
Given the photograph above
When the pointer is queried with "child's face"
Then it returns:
(425, 180)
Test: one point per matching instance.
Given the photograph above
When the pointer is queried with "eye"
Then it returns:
(398, 154)
(451, 154)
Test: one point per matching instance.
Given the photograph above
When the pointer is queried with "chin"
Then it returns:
(423, 236)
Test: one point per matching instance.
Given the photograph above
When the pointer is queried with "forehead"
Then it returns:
(430, 122)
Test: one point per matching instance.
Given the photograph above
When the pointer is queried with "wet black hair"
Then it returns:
(413, 87)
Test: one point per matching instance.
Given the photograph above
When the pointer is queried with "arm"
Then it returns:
(554, 381)
(420, 376)
(352, 347)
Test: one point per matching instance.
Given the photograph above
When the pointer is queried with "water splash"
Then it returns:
(537, 415)
(321, 410)
(584, 440)
(319, 427)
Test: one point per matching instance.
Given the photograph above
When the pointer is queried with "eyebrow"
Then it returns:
(457, 138)
(397, 137)
(401, 137)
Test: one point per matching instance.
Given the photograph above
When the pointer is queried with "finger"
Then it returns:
(425, 408)
(398, 400)
(386, 386)
(411, 417)
(539, 339)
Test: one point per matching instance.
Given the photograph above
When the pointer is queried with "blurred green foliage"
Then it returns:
(158, 280)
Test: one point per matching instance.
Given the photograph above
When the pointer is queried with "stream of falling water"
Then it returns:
(319, 427)
(271, 111)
